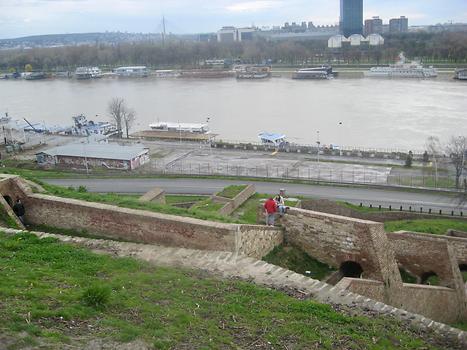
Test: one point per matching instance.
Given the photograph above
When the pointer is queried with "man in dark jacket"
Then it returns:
(19, 210)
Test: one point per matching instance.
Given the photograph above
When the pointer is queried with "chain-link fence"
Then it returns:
(318, 173)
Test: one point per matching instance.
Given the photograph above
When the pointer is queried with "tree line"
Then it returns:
(442, 47)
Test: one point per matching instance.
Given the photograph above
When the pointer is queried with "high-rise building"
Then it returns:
(374, 26)
(399, 25)
(351, 20)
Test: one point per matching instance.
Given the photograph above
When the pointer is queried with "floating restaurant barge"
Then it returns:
(177, 132)
(323, 72)
(253, 72)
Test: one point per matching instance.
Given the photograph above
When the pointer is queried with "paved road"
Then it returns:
(207, 186)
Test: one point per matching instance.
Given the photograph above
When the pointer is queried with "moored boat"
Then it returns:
(461, 74)
(402, 69)
(252, 72)
(323, 72)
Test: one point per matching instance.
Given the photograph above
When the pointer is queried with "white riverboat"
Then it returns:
(196, 128)
(83, 73)
(323, 72)
(402, 69)
(132, 72)
(461, 74)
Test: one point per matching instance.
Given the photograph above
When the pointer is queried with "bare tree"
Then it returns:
(433, 147)
(456, 149)
(117, 110)
(128, 119)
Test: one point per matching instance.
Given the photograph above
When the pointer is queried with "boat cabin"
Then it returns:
(181, 127)
(271, 139)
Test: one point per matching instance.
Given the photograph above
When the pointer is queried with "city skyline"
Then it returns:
(37, 17)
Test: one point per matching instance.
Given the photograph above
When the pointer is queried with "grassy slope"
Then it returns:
(434, 226)
(43, 283)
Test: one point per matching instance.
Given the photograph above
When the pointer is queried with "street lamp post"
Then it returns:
(341, 124)
(318, 143)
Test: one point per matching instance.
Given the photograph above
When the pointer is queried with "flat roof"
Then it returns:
(99, 151)
(271, 136)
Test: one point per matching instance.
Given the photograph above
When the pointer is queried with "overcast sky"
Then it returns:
(34, 17)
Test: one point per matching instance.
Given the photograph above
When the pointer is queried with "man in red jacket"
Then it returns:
(270, 208)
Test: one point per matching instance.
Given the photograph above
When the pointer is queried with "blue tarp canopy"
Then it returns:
(271, 137)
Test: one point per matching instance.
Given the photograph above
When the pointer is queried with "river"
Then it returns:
(387, 114)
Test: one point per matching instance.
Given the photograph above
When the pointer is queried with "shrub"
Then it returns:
(82, 189)
(96, 296)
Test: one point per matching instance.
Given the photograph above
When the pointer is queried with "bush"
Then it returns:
(96, 296)
(82, 189)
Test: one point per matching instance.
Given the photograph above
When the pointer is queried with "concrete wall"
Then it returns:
(156, 195)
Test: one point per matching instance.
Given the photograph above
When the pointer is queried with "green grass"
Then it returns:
(231, 191)
(464, 276)
(362, 209)
(433, 226)
(200, 212)
(461, 325)
(48, 293)
(294, 259)
(179, 199)
(6, 220)
(208, 206)
(407, 277)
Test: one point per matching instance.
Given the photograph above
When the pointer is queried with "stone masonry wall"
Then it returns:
(258, 241)
(141, 226)
(237, 201)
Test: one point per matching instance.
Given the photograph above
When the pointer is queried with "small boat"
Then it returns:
(461, 74)
(5, 119)
(402, 70)
(83, 127)
(273, 139)
(35, 76)
(323, 72)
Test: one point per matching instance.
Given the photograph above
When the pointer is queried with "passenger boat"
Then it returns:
(252, 72)
(132, 72)
(461, 74)
(83, 73)
(323, 72)
(83, 127)
(402, 70)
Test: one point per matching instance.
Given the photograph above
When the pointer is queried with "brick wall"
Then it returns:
(141, 226)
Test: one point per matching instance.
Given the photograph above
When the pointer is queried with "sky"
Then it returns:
(35, 17)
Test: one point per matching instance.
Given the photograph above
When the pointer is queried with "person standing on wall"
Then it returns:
(19, 210)
(270, 208)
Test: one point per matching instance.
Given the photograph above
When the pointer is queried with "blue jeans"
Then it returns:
(270, 219)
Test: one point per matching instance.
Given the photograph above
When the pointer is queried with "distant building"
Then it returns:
(338, 41)
(245, 34)
(399, 25)
(207, 38)
(91, 155)
(232, 34)
(374, 26)
(351, 17)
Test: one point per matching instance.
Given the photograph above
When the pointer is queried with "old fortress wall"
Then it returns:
(369, 259)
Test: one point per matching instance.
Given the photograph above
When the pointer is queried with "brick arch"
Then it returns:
(425, 277)
(9, 200)
(351, 269)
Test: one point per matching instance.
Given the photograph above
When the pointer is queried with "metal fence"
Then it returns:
(365, 175)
